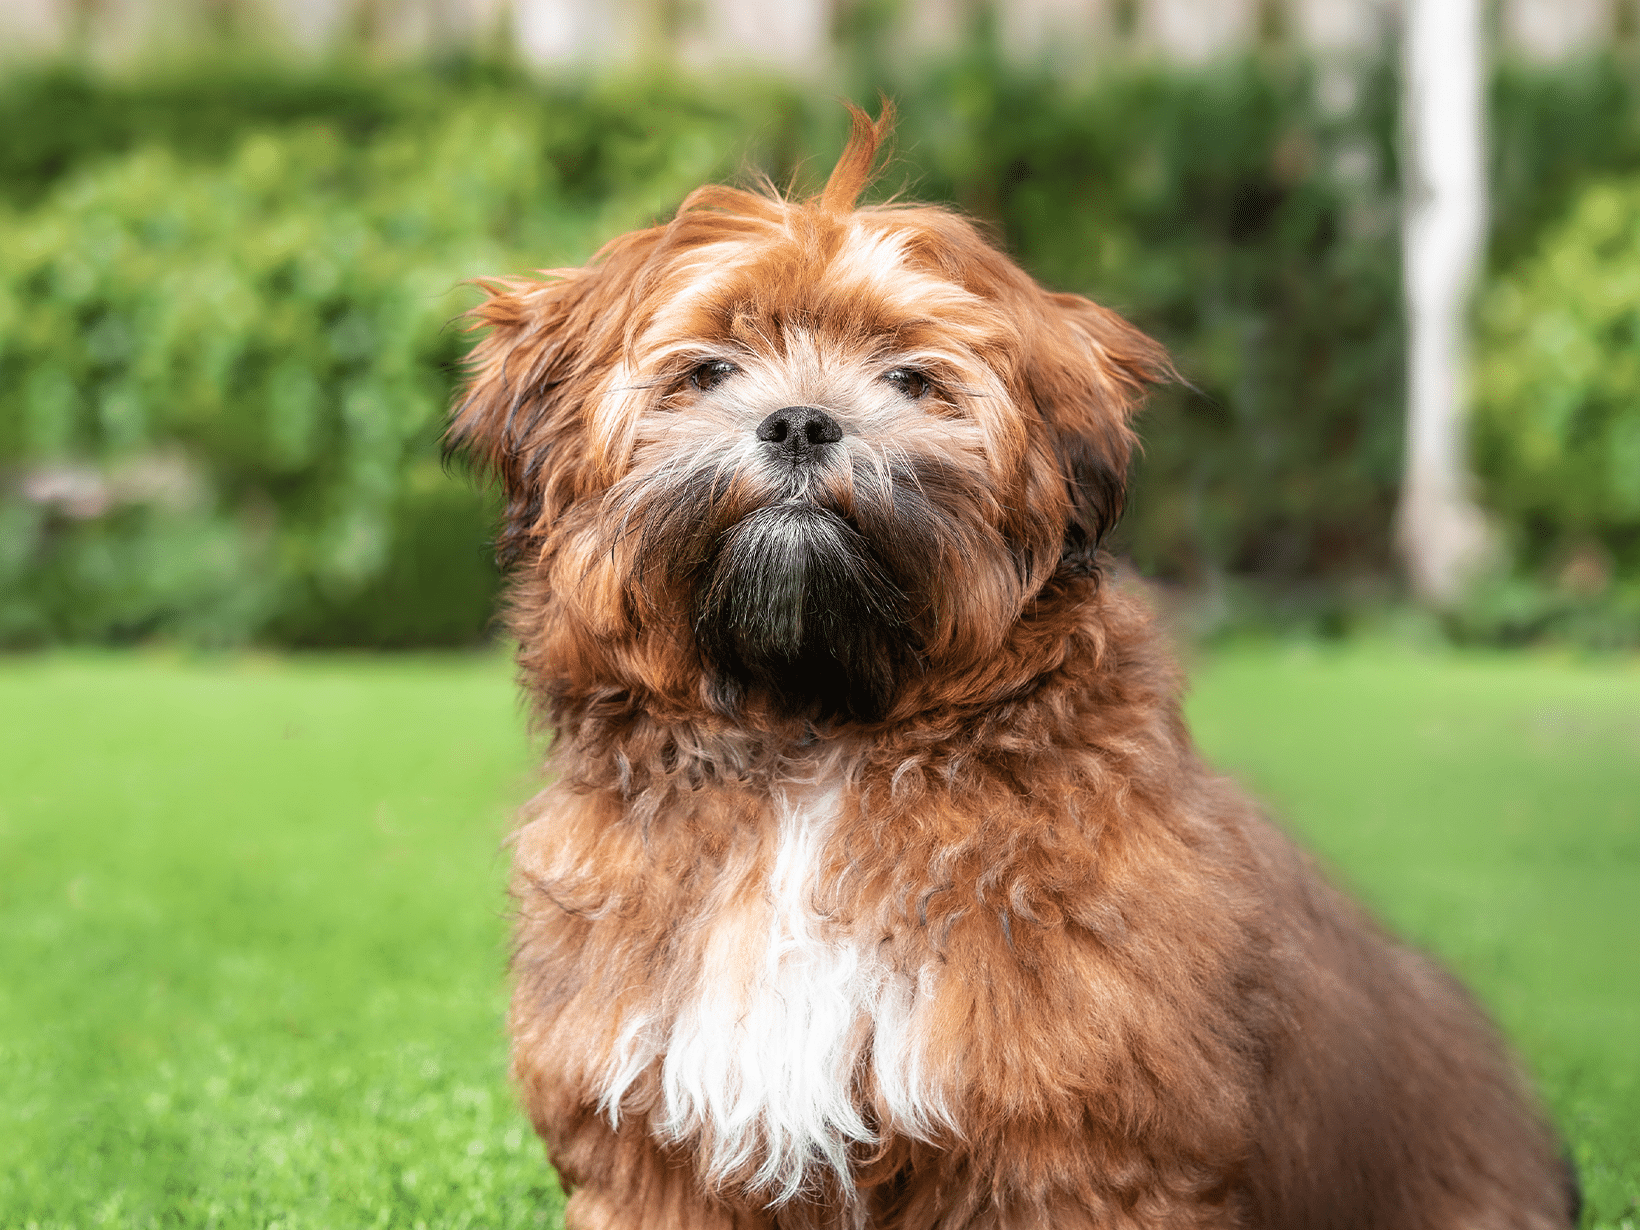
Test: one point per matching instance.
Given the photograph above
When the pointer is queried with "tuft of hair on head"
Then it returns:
(853, 170)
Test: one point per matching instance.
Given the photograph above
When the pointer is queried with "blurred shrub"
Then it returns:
(222, 381)
(1557, 429)
(59, 117)
(1553, 436)
(1551, 129)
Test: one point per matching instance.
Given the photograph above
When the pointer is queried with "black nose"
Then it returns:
(797, 432)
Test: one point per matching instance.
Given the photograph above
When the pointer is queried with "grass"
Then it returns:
(251, 932)
(251, 945)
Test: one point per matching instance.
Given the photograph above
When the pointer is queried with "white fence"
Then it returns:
(788, 35)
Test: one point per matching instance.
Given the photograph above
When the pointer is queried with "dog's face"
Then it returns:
(791, 455)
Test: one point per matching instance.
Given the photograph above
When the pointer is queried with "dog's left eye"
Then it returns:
(713, 372)
(912, 383)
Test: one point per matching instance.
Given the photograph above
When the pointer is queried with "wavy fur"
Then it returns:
(879, 883)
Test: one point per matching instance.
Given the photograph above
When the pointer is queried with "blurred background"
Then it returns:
(234, 236)
(253, 925)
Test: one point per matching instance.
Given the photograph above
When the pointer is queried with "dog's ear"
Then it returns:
(524, 414)
(1088, 372)
(504, 422)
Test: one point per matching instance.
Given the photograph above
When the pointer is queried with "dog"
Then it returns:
(879, 883)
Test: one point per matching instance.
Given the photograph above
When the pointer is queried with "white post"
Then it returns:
(1439, 530)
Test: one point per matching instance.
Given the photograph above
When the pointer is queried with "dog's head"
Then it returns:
(788, 453)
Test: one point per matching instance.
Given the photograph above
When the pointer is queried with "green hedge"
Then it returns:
(1557, 429)
(226, 298)
(223, 373)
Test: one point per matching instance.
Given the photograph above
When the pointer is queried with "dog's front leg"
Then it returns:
(623, 1180)
(1054, 1189)
(661, 1206)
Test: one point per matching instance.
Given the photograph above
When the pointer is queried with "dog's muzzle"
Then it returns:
(796, 602)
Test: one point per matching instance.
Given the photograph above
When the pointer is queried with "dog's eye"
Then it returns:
(912, 383)
(712, 373)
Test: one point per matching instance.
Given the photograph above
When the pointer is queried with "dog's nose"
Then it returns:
(797, 432)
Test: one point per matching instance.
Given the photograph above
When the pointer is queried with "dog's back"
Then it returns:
(1391, 1101)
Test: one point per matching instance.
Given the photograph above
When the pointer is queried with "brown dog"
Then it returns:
(880, 884)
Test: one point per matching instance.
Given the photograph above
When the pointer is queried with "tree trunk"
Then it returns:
(1441, 533)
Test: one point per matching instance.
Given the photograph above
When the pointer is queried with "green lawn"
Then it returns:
(252, 934)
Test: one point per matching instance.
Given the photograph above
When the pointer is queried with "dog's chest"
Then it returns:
(761, 1059)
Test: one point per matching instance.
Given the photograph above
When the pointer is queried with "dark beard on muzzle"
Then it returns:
(796, 604)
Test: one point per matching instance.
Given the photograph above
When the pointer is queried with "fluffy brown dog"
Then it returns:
(880, 884)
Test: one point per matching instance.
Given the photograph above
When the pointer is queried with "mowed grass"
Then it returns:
(252, 944)
(253, 937)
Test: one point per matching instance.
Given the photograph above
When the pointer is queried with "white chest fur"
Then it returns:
(760, 1060)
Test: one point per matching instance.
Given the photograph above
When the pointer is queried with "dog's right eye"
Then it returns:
(711, 374)
(909, 381)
